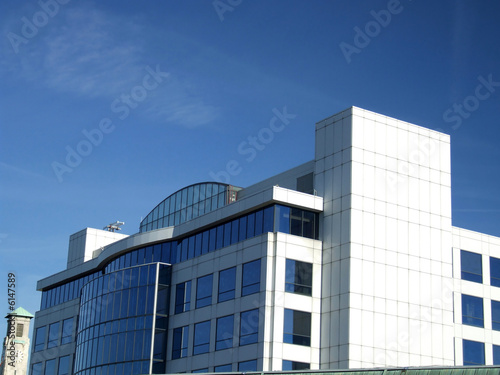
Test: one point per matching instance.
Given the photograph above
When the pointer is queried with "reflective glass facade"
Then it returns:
(273, 218)
(117, 321)
(188, 203)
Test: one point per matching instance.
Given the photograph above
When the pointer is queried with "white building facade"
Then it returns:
(347, 261)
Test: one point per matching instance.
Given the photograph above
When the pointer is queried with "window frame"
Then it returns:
(466, 259)
(249, 332)
(250, 284)
(182, 297)
(471, 316)
(293, 282)
(201, 332)
(297, 321)
(205, 282)
(226, 294)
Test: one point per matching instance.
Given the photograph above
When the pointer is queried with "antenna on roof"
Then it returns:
(114, 226)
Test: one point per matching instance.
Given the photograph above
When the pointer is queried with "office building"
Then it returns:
(347, 261)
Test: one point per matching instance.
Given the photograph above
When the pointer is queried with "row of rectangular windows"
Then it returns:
(55, 336)
(296, 330)
(473, 312)
(298, 279)
(472, 268)
(50, 367)
(474, 353)
(279, 218)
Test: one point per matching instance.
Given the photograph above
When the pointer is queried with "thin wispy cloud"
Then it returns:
(7, 169)
(89, 53)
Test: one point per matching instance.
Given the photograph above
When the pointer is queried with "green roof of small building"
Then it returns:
(20, 312)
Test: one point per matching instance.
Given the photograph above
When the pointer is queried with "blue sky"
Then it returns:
(167, 92)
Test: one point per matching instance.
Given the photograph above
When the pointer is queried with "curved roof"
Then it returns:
(188, 203)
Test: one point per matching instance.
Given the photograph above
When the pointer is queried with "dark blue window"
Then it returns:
(201, 338)
(224, 368)
(183, 297)
(204, 291)
(227, 284)
(259, 222)
(472, 268)
(247, 366)
(234, 230)
(282, 219)
(495, 271)
(40, 338)
(180, 342)
(297, 327)
(473, 353)
(36, 369)
(298, 277)
(50, 367)
(53, 335)
(251, 278)
(67, 331)
(292, 366)
(496, 354)
(249, 327)
(224, 335)
(472, 311)
(495, 315)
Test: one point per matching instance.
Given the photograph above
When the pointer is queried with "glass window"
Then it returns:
(495, 315)
(63, 365)
(183, 297)
(224, 335)
(472, 311)
(282, 223)
(247, 366)
(298, 278)
(496, 354)
(472, 269)
(297, 327)
(40, 338)
(473, 353)
(200, 371)
(180, 342)
(223, 368)
(67, 331)
(201, 338)
(296, 221)
(204, 291)
(268, 225)
(234, 230)
(249, 327)
(36, 369)
(227, 284)
(259, 221)
(251, 278)
(220, 237)
(292, 366)
(495, 271)
(50, 367)
(243, 228)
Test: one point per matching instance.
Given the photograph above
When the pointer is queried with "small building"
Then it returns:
(16, 344)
